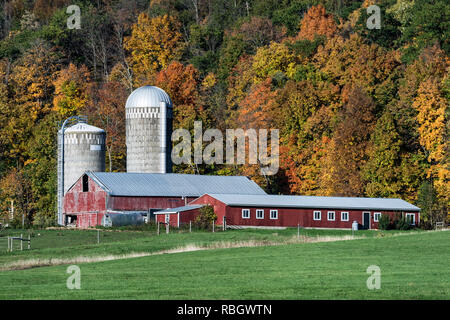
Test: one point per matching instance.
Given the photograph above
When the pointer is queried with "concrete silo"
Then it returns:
(149, 130)
(84, 150)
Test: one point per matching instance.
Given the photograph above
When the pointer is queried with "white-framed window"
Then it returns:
(344, 216)
(259, 214)
(273, 214)
(411, 217)
(317, 215)
(245, 213)
(331, 216)
(376, 216)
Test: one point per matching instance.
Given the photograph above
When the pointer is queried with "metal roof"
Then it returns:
(148, 96)
(172, 184)
(313, 202)
(180, 209)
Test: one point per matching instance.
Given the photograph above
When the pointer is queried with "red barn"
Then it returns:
(306, 211)
(95, 194)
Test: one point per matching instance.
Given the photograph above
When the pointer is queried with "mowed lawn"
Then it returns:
(413, 266)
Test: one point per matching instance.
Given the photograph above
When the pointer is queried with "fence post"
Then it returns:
(12, 244)
(213, 225)
(298, 231)
(190, 226)
(98, 236)
(29, 241)
(158, 228)
(223, 223)
(167, 227)
(21, 242)
(8, 245)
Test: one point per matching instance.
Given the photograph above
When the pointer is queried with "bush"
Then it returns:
(42, 220)
(206, 217)
(385, 222)
(401, 223)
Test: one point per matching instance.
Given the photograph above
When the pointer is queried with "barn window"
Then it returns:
(273, 214)
(259, 214)
(85, 183)
(376, 216)
(245, 214)
(344, 216)
(317, 215)
(411, 217)
(331, 216)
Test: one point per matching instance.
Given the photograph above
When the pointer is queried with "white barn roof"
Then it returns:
(304, 202)
(180, 209)
(172, 184)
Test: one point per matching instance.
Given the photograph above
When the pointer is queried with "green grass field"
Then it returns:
(73, 243)
(413, 266)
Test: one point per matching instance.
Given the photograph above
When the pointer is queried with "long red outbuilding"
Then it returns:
(305, 211)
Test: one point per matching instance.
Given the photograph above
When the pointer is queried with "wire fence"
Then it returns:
(14, 240)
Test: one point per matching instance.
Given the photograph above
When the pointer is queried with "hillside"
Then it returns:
(361, 111)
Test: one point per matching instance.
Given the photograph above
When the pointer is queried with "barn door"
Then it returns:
(366, 220)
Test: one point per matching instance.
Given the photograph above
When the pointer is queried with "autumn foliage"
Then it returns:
(317, 22)
(360, 112)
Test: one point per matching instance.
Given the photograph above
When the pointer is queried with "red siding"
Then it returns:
(77, 201)
(173, 219)
(185, 217)
(220, 209)
(145, 203)
(86, 220)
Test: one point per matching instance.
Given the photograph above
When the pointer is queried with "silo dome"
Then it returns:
(149, 130)
(84, 150)
(148, 96)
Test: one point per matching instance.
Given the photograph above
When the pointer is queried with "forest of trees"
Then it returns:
(361, 112)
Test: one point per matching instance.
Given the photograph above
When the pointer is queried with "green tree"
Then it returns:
(382, 169)
(206, 217)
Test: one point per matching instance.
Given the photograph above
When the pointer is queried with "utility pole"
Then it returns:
(11, 216)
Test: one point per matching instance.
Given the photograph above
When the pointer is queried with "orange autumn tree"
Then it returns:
(348, 150)
(317, 22)
(153, 43)
(257, 111)
(306, 113)
(182, 84)
(106, 110)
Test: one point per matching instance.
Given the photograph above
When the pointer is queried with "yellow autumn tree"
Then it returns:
(153, 44)
(71, 90)
(271, 59)
(431, 107)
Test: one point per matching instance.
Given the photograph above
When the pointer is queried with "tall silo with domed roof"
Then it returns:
(84, 151)
(149, 113)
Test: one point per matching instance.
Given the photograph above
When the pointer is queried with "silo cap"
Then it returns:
(148, 96)
(84, 128)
